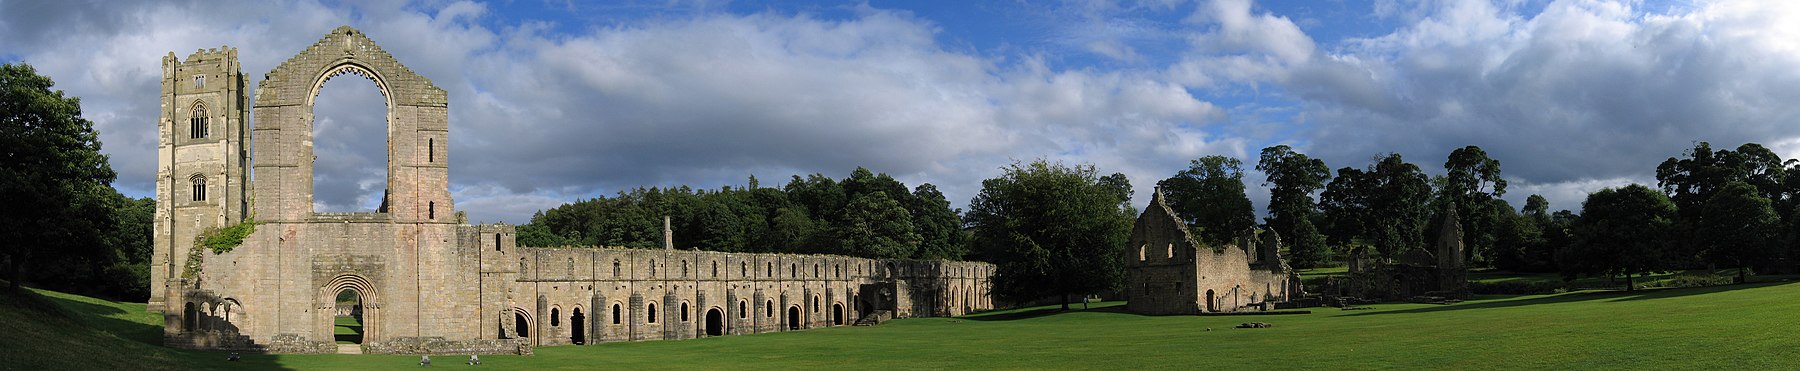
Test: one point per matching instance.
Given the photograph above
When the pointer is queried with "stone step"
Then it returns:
(349, 349)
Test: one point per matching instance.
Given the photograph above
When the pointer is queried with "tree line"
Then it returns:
(1711, 208)
(867, 214)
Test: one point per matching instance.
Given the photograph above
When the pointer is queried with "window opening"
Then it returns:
(199, 187)
(615, 313)
(197, 127)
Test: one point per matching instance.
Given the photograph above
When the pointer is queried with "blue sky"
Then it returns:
(554, 101)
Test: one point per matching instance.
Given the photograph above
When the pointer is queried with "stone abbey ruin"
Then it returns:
(425, 282)
(1169, 272)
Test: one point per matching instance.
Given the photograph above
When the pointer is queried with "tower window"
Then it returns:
(496, 242)
(199, 81)
(197, 127)
(199, 187)
(430, 150)
(431, 210)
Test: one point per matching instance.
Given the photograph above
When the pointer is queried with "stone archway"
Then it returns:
(366, 311)
(837, 314)
(1210, 307)
(793, 315)
(577, 327)
(521, 322)
(418, 127)
(715, 322)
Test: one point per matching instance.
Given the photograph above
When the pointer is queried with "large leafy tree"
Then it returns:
(1701, 172)
(1292, 178)
(1383, 206)
(1739, 228)
(939, 227)
(1523, 243)
(875, 226)
(1471, 182)
(1053, 229)
(1209, 195)
(53, 178)
(1622, 231)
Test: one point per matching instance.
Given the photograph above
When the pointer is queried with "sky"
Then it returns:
(557, 101)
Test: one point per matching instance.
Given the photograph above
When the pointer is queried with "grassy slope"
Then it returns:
(1740, 326)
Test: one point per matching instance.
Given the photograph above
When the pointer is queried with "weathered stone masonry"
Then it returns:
(1169, 272)
(427, 283)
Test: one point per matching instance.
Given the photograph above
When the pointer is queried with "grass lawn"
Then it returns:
(1738, 326)
(348, 330)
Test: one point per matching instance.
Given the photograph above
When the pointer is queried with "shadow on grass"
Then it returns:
(1048, 310)
(103, 318)
(1644, 294)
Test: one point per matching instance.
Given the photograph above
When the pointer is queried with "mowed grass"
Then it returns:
(1747, 326)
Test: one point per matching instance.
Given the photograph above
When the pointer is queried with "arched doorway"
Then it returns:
(356, 314)
(837, 314)
(794, 317)
(521, 323)
(189, 317)
(347, 323)
(577, 327)
(715, 322)
(1209, 302)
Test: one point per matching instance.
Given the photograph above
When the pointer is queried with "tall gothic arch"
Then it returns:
(417, 117)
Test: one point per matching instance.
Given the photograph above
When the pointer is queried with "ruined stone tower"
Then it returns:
(200, 177)
(420, 280)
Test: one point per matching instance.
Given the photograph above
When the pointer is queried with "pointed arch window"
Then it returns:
(197, 127)
(199, 182)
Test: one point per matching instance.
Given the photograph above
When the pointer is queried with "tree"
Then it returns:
(938, 226)
(1692, 180)
(875, 226)
(1292, 178)
(1469, 174)
(53, 177)
(1384, 206)
(1738, 227)
(1621, 231)
(1052, 229)
(1524, 240)
(1209, 194)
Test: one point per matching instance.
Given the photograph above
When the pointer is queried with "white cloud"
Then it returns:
(540, 117)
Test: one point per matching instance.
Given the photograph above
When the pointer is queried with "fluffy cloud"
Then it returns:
(1580, 95)
(540, 116)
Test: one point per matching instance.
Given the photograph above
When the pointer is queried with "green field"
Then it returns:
(1739, 326)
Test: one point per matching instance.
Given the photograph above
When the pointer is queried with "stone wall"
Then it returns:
(425, 282)
(1169, 272)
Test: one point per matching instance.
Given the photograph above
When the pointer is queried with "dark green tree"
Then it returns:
(1739, 228)
(875, 226)
(1292, 178)
(1471, 182)
(1209, 195)
(1384, 206)
(938, 226)
(1622, 231)
(1052, 230)
(54, 179)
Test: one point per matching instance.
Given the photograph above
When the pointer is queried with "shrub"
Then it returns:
(221, 240)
